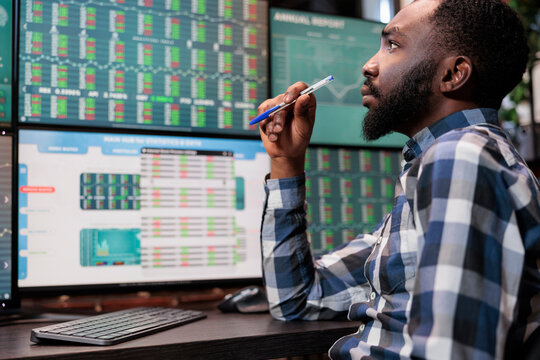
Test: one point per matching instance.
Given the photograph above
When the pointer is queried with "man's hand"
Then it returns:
(286, 134)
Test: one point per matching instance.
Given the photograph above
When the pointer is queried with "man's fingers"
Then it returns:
(279, 121)
(274, 125)
(272, 137)
(269, 103)
(265, 105)
(294, 91)
(303, 103)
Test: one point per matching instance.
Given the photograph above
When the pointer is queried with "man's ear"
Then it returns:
(456, 73)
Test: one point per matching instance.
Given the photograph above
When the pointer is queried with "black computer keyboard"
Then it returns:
(115, 327)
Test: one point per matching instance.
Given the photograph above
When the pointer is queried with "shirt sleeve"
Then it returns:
(470, 250)
(298, 286)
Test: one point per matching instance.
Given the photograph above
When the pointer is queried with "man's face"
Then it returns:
(400, 75)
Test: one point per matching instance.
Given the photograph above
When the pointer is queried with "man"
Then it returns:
(453, 270)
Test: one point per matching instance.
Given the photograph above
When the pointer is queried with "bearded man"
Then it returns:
(453, 272)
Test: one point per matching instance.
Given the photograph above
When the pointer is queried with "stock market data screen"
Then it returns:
(349, 191)
(182, 65)
(137, 209)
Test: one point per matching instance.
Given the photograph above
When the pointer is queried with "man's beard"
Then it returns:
(401, 106)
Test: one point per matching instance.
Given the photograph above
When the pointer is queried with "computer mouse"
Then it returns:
(251, 299)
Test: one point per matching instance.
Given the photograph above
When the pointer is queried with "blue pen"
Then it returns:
(283, 105)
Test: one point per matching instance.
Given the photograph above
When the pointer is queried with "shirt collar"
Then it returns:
(427, 136)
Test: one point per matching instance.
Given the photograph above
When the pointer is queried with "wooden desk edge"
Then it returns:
(254, 337)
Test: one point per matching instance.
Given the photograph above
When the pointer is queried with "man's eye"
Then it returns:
(392, 45)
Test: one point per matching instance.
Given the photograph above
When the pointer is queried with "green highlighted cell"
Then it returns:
(91, 48)
(162, 99)
(252, 60)
(37, 12)
(37, 73)
(62, 107)
(119, 111)
(91, 18)
(148, 23)
(175, 85)
(227, 62)
(89, 109)
(62, 76)
(148, 79)
(228, 9)
(175, 28)
(37, 43)
(63, 13)
(228, 35)
(120, 21)
(201, 88)
(201, 59)
(63, 45)
(387, 164)
(201, 31)
(119, 80)
(175, 5)
(227, 90)
(148, 55)
(201, 7)
(175, 114)
(147, 112)
(228, 118)
(119, 52)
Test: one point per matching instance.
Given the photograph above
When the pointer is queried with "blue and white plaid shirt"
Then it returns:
(452, 272)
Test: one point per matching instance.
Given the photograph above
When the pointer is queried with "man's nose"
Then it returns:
(371, 68)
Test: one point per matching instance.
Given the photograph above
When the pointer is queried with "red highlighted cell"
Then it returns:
(37, 189)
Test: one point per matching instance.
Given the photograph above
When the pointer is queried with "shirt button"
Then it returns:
(378, 240)
(362, 327)
(372, 295)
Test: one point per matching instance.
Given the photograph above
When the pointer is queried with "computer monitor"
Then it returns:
(349, 191)
(107, 209)
(8, 288)
(6, 81)
(176, 65)
(308, 47)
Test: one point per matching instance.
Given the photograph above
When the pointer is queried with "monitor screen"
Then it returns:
(181, 65)
(98, 209)
(308, 47)
(348, 190)
(6, 253)
(5, 60)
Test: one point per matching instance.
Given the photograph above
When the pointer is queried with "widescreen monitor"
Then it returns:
(308, 47)
(179, 65)
(106, 209)
(349, 191)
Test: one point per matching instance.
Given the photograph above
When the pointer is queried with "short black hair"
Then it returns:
(491, 34)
